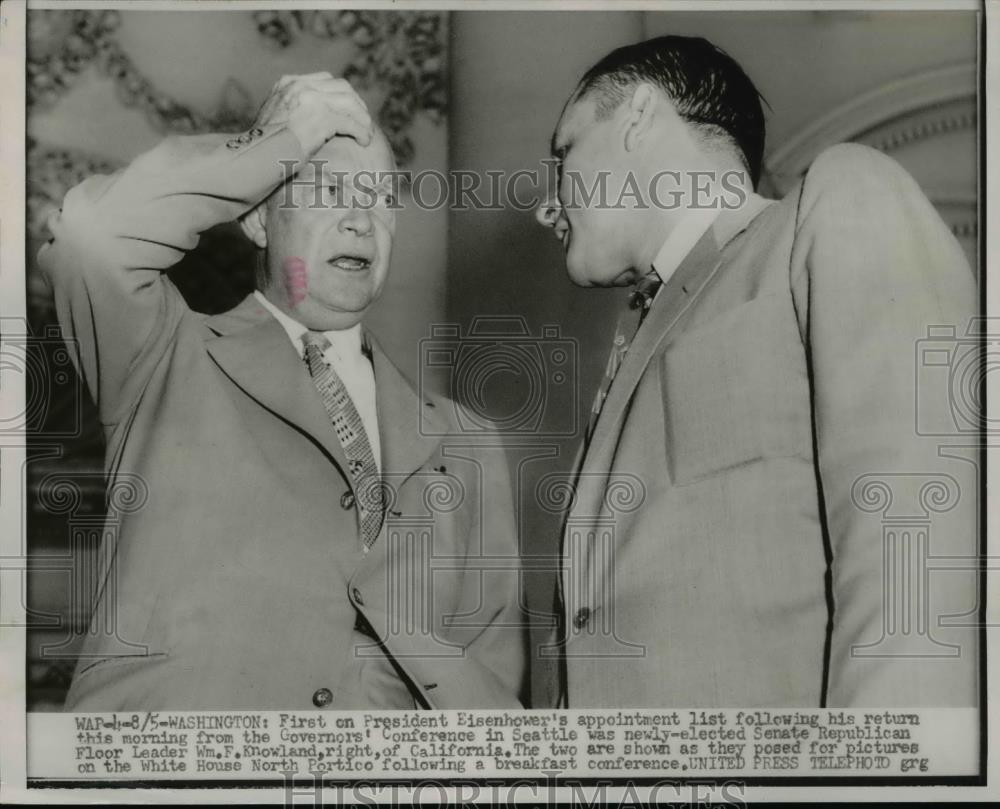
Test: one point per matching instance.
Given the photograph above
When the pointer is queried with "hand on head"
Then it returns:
(326, 235)
(317, 107)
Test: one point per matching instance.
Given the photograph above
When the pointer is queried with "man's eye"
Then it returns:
(384, 198)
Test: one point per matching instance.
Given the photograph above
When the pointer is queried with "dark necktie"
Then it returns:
(640, 299)
(643, 294)
(351, 433)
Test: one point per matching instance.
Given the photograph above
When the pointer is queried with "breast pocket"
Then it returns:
(735, 390)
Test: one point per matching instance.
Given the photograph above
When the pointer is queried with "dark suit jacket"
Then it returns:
(238, 583)
(756, 507)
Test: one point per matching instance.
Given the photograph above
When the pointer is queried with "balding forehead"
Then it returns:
(377, 154)
(382, 139)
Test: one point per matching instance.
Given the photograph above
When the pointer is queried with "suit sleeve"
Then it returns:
(873, 267)
(115, 235)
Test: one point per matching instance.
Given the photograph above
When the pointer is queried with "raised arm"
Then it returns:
(115, 235)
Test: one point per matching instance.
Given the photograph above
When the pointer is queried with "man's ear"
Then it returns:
(253, 223)
(640, 115)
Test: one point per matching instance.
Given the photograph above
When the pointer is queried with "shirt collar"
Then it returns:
(691, 228)
(727, 227)
(682, 239)
(347, 342)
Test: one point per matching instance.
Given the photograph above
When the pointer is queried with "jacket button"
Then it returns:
(233, 144)
(356, 595)
(347, 500)
(322, 697)
(581, 617)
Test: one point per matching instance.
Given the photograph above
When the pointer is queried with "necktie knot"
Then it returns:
(315, 339)
(644, 292)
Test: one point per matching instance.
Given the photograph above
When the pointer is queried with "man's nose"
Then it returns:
(547, 213)
(357, 220)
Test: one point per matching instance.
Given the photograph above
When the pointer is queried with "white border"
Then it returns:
(12, 388)
(12, 304)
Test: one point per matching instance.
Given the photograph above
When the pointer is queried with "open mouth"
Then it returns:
(350, 262)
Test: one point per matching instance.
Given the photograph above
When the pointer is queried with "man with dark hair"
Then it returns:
(284, 557)
(710, 91)
(767, 387)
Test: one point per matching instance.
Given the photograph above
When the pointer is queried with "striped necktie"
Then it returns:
(641, 298)
(351, 433)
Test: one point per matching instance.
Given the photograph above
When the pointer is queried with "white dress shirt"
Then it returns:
(686, 234)
(350, 364)
(682, 240)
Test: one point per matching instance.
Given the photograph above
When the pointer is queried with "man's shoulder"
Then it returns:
(856, 172)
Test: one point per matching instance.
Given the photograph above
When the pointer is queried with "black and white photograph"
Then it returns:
(485, 402)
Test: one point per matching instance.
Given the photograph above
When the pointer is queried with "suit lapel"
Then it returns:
(254, 351)
(410, 431)
(671, 302)
(678, 293)
(410, 428)
(247, 340)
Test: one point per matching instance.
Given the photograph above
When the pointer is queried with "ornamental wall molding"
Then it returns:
(892, 118)
(915, 108)
(63, 45)
(399, 54)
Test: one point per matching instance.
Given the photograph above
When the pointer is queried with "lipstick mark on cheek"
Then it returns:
(296, 281)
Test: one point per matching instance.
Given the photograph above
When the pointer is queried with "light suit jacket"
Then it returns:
(755, 511)
(232, 569)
